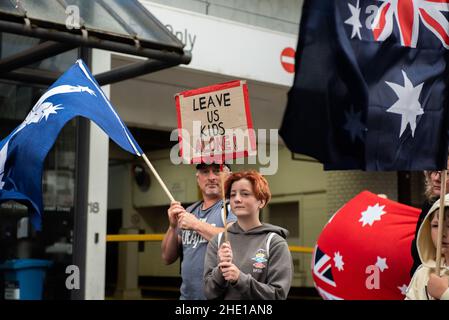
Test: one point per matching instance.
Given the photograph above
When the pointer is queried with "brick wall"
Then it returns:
(344, 185)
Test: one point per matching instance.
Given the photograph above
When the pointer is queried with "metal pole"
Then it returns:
(81, 195)
(27, 76)
(441, 220)
(37, 53)
(168, 54)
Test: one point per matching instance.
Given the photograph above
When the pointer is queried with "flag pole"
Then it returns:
(223, 193)
(441, 220)
(225, 209)
(158, 177)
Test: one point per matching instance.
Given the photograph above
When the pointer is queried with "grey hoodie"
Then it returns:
(427, 253)
(266, 267)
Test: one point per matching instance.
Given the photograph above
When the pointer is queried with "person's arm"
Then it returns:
(172, 241)
(214, 283)
(171, 245)
(279, 277)
(190, 222)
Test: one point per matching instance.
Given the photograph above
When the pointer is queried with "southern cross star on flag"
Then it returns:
(363, 252)
(370, 89)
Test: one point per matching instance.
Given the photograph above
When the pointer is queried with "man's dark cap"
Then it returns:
(203, 165)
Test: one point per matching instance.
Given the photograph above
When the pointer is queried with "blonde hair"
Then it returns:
(428, 192)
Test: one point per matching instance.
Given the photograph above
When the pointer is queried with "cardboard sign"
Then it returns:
(214, 123)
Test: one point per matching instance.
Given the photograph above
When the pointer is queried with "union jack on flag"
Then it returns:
(407, 14)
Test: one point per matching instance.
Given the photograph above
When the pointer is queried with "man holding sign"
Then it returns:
(215, 126)
(190, 230)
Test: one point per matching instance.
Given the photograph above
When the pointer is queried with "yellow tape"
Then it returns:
(160, 237)
(133, 237)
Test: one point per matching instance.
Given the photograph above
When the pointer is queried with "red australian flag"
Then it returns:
(363, 252)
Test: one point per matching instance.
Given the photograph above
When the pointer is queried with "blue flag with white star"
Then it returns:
(370, 87)
(23, 151)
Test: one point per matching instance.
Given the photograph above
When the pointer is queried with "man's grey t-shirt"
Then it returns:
(194, 250)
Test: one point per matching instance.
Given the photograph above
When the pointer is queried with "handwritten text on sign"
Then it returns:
(215, 123)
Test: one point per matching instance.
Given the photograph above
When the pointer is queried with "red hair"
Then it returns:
(260, 186)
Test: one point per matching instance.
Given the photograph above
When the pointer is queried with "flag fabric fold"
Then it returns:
(23, 151)
(363, 252)
(370, 87)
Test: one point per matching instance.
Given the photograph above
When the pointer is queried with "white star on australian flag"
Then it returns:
(403, 289)
(338, 260)
(381, 264)
(372, 214)
(408, 105)
(354, 20)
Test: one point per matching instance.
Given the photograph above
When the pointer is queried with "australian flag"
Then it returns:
(370, 88)
(22, 153)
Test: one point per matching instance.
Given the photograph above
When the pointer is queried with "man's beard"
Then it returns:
(212, 191)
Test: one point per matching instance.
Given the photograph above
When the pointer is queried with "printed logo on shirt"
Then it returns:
(190, 237)
(260, 261)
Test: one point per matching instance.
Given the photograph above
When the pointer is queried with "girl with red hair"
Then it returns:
(255, 263)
